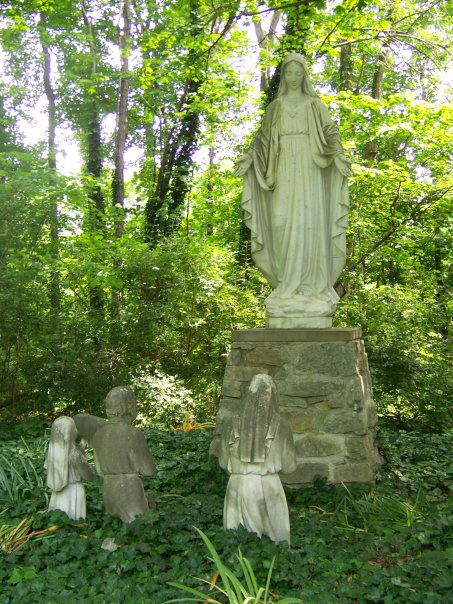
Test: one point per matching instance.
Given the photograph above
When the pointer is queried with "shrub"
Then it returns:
(163, 400)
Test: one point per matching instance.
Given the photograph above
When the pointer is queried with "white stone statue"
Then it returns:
(256, 446)
(295, 202)
(121, 454)
(66, 468)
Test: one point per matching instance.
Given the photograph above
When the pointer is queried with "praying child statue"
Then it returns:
(121, 454)
(254, 448)
(66, 467)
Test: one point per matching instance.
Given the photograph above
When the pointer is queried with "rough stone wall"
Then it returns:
(324, 384)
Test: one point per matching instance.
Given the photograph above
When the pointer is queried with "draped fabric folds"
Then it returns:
(66, 467)
(255, 447)
(255, 497)
(295, 204)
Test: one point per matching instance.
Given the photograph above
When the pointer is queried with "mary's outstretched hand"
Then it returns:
(242, 165)
(343, 165)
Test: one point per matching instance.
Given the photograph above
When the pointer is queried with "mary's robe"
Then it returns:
(296, 204)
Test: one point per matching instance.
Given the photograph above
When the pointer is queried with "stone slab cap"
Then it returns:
(333, 334)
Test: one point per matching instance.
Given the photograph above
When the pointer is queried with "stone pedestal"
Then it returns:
(324, 386)
(298, 322)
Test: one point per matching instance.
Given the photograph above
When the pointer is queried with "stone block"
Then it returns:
(343, 422)
(325, 359)
(353, 472)
(376, 458)
(306, 472)
(371, 417)
(264, 355)
(242, 373)
(363, 449)
(299, 422)
(329, 404)
(350, 394)
(243, 345)
(308, 385)
(357, 447)
(231, 388)
(318, 445)
(235, 357)
(293, 401)
(337, 359)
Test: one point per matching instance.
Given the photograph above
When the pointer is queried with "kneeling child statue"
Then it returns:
(121, 454)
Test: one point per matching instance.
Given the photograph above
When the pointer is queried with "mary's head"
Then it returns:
(294, 74)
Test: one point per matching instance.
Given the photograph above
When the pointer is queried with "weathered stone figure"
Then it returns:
(66, 468)
(256, 446)
(295, 202)
(121, 454)
(87, 425)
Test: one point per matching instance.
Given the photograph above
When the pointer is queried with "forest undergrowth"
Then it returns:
(386, 542)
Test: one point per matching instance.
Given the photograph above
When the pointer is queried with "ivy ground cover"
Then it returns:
(387, 542)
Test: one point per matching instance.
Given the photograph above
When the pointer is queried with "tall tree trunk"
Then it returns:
(96, 210)
(163, 209)
(121, 118)
(124, 33)
(52, 164)
(377, 92)
(210, 190)
(346, 67)
(442, 293)
(265, 42)
(93, 163)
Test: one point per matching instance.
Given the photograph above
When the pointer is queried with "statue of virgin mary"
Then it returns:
(295, 202)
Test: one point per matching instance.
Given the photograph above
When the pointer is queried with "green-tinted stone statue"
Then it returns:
(255, 446)
(66, 468)
(121, 454)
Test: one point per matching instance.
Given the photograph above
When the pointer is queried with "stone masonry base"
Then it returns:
(324, 385)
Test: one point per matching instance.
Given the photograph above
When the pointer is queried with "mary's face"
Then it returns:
(294, 75)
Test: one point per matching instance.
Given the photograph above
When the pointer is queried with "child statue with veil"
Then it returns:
(66, 467)
(254, 449)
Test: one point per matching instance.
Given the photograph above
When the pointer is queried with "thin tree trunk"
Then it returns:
(441, 293)
(121, 122)
(210, 189)
(265, 42)
(124, 32)
(377, 92)
(52, 164)
(378, 77)
(93, 162)
(346, 67)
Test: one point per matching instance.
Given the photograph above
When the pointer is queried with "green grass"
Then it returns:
(21, 470)
(383, 543)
